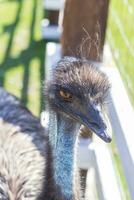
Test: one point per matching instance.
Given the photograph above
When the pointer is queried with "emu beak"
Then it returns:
(94, 121)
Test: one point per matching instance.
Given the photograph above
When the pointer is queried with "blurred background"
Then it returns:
(22, 60)
(22, 50)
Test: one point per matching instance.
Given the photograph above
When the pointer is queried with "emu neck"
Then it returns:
(63, 136)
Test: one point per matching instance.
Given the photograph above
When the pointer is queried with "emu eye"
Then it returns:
(65, 95)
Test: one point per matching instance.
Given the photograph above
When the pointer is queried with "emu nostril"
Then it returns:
(95, 125)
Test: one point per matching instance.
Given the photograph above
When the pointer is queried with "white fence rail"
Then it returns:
(121, 115)
(53, 4)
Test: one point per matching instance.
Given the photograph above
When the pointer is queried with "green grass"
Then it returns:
(119, 172)
(22, 51)
(120, 37)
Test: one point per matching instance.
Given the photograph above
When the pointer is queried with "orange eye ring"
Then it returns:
(65, 95)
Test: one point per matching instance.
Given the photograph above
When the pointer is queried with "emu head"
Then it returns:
(77, 89)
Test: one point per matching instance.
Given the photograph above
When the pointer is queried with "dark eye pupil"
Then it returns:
(65, 95)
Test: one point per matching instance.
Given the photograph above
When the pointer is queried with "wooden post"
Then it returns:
(84, 26)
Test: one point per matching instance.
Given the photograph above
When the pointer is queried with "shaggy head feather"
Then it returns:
(77, 88)
(81, 78)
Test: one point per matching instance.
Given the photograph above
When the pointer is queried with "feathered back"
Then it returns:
(23, 151)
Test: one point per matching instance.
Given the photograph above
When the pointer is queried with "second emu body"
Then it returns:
(74, 92)
(24, 152)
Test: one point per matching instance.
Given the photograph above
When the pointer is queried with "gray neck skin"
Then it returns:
(63, 134)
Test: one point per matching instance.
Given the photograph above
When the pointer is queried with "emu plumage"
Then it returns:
(24, 152)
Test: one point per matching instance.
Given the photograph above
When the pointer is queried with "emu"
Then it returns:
(75, 93)
(33, 167)
(24, 152)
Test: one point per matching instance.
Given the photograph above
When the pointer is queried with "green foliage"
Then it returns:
(22, 50)
(120, 37)
(119, 172)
